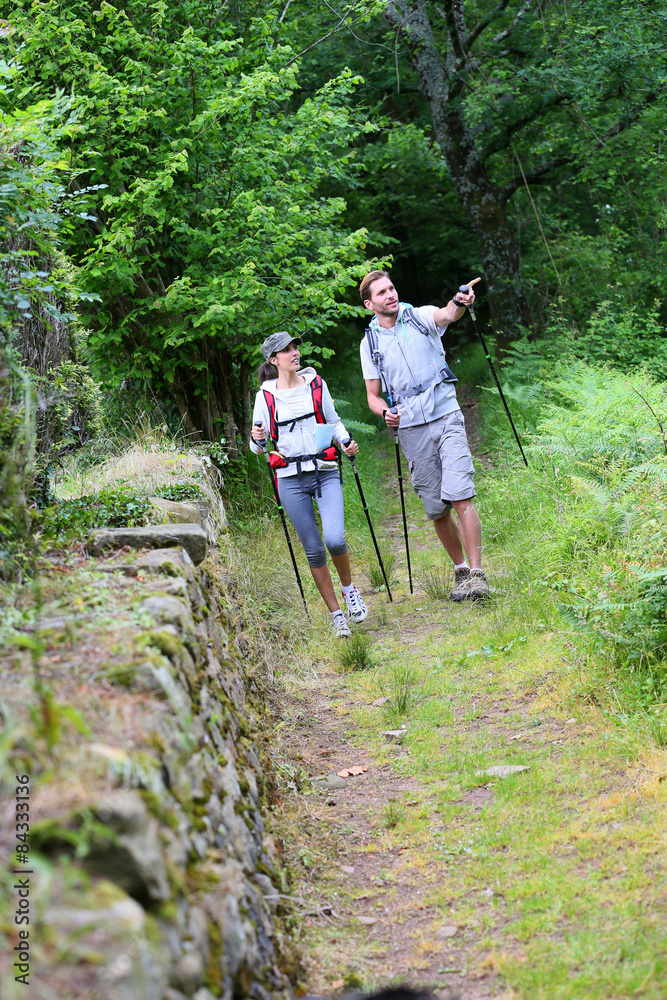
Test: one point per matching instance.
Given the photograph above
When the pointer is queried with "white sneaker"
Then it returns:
(339, 625)
(356, 609)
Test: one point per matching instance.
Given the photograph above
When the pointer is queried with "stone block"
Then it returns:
(156, 536)
(133, 857)
(168, 610)
(178, 513)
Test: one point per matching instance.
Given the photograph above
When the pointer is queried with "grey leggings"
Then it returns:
(297, 500)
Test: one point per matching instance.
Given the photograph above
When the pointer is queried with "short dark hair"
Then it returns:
(364, 287)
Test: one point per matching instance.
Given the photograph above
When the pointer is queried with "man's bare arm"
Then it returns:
(451, 312)
(378, 403)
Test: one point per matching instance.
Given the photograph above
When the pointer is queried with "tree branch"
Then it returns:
(456, 28)
(502, 35)
(537, 176)
(540, 174)
(341, 24)
(484, 23)
(631, 117)
(504, 140)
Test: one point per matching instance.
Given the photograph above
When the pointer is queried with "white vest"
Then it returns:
(412, 363)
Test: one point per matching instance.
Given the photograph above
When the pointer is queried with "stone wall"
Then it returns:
(160, 879)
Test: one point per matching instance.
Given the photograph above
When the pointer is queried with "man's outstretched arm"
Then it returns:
(451, 312)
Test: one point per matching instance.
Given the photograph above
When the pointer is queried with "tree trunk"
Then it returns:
(183, 408)
(226, 396)
(246, 404)
(485, 207)
(482, 201)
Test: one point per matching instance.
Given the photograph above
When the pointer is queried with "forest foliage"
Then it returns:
(216, 173)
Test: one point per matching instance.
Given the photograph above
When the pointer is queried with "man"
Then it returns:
(403, 350)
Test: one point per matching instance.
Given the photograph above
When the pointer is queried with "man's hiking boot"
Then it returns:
(461, 588)
(478, 585)
(339, 625)
(356, 609)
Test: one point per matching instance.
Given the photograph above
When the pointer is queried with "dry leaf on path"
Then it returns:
(338, 984)
(349, 771)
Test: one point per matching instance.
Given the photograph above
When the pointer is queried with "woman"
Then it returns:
(289, 406)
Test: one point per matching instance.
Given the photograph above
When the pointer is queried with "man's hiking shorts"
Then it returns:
(440, 462)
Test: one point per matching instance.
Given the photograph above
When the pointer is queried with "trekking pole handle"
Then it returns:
(344, 445)
(471, 309)
(394, 409)
(260, 444)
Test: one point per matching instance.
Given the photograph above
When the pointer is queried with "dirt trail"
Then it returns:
(368, 919)
(365, 900)
(421, 870)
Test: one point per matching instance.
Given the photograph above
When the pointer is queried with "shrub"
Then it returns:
(592, 512)
(113, 508)
(180, 491)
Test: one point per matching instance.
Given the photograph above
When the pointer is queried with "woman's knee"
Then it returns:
(337, 545)
(316, 556)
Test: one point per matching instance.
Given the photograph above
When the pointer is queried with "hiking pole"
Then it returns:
(368, 518)
(394, 409)
(274, 485)
(464, 289)
(399, 468)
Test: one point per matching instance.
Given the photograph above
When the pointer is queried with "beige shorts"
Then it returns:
(440, 462)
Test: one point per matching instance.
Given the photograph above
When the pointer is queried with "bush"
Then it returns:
(113, 508)
(592, 512)
(180, 492)
(69, 415)
(17, 454)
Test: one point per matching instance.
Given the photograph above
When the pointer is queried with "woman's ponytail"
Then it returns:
(267, 371)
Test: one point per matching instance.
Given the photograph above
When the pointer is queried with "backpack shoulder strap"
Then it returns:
(376, 357)
(273, 420)
(316, 389)
(410, 316)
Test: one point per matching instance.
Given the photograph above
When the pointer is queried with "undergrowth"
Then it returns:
(585, 526)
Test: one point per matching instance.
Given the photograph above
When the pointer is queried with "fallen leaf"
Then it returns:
(338, 984)
(367, 921)
(503, 770)
(448, 931)
(111, 753)
(349, 771)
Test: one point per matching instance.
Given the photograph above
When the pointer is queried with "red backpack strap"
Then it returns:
(271, 405)
(316, 389)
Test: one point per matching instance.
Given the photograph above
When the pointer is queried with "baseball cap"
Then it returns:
(278, 342)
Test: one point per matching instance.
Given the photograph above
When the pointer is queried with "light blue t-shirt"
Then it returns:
(411, 358)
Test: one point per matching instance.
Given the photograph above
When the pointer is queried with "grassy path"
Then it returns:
(549, 884)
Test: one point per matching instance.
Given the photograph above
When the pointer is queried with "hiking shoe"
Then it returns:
(339, 625)
(478, 585)
(461, 588)
(356, 609)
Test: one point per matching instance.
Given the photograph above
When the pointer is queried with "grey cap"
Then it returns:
(277, 342)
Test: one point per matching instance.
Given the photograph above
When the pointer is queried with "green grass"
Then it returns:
(355, 653)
